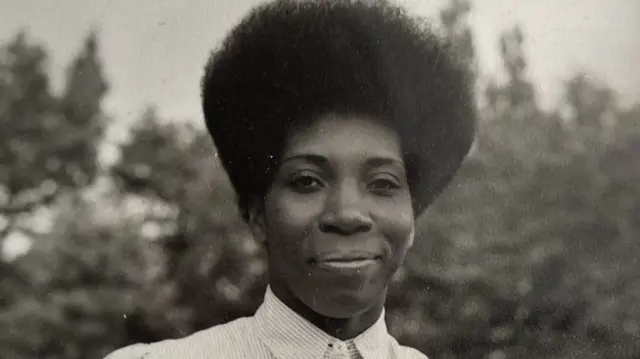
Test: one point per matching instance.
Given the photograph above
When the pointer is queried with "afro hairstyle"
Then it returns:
(289, 62)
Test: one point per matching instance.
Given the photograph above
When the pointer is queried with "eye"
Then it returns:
(305, 183)
(384, 186)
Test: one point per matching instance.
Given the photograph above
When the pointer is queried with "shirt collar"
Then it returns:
(289, 335)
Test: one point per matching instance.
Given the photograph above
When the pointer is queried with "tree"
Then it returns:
(47, 144)
(457, 29)
(81, 105)
(85, 279)
(26, 104)
(212, 260)
(523, 251)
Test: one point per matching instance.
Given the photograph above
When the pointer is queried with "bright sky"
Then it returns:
(154, 50)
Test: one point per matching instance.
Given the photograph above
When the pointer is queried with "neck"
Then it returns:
(340, 328)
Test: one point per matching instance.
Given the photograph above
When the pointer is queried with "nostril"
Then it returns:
(364, 227)
(345, 228)
(323, 227)
(332, 228)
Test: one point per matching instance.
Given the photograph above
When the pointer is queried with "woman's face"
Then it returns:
(337, 218)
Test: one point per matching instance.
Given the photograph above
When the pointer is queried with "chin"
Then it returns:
(340, 312)
(342, 305)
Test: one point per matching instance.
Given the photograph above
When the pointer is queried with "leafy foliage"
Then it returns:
(47, 143)
(84, 278)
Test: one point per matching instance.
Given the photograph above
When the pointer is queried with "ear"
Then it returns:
(412, 236)
(257, 221)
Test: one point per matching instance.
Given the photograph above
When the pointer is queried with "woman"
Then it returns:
(338, 122)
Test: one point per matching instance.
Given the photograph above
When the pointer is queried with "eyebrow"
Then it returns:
(315, 159)
(322, 161)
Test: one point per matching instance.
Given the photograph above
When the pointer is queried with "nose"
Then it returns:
(345, 212)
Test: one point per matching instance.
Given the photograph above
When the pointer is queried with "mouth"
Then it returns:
(351, 264)
(346, 260)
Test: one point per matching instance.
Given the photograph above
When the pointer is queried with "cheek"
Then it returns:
(289, 220)
(398, 226)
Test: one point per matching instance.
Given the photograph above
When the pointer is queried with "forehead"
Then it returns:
(345, 135)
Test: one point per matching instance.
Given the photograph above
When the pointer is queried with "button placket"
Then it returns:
(338, 350)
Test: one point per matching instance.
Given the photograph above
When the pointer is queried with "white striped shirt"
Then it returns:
(274, 332)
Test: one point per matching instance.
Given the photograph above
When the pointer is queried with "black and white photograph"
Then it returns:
(308, 179)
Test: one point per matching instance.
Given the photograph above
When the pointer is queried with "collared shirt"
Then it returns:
(274, 332)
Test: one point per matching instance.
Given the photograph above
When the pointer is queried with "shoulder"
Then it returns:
(410, 353)
(130, 352)
(404, 352)
(225, 341)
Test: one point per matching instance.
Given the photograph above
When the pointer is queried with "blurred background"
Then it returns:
(118, 225)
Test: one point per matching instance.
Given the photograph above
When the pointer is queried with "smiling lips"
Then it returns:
(346, 260)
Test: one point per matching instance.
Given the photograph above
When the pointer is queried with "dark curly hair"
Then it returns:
(289, 62)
